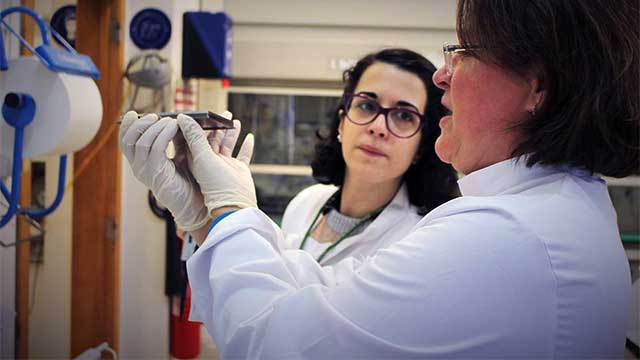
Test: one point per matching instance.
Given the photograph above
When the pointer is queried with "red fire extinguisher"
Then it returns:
(185, 334)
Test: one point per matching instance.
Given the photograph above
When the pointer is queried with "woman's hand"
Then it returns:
(144, 143)
(225, 181)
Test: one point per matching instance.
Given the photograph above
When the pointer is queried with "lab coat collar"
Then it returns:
(401, 198)
(512, 175)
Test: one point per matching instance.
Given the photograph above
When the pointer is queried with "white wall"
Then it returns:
(50, 316)
(307, 39)
(309, 53)
(174, 10)
(402, 14)
(144, 329)
(144, 317)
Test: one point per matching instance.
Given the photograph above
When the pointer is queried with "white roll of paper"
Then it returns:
(68, 109)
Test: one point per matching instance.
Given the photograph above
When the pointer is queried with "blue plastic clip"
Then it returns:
(54, 59)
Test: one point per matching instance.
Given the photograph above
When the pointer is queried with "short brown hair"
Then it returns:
(586, 56)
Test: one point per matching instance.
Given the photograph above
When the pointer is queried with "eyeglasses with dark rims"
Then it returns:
(401, 121)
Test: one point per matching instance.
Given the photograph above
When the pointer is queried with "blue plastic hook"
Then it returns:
(40, 213)
(18, 110)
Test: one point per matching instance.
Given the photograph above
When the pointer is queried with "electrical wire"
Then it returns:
(87, 160)
(35, 224)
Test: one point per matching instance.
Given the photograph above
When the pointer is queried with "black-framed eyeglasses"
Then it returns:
(448, 50)
(402, 122)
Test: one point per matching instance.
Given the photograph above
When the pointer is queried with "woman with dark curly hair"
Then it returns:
(377, 166)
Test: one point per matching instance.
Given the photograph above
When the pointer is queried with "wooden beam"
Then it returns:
(23, 254)
(96, 191)
(23, 250)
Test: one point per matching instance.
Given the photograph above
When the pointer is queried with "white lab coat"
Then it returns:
(393, 224)
(527, 263)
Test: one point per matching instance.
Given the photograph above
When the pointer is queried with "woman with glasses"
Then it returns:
(377, 165)
(527, 263)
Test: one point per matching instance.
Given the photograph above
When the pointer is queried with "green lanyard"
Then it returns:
(356, 226)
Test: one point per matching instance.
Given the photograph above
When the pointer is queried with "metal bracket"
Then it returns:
(110, 229)
(114, 30)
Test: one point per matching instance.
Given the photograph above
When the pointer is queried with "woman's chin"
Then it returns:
(441, 148)
(371, 174)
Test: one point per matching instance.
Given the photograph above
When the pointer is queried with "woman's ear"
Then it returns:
(536, 92)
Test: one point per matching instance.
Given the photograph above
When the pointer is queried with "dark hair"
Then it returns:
(430, 182)
(585, 55)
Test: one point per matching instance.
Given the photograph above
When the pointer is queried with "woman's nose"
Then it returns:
(378, 127)
(441, 78)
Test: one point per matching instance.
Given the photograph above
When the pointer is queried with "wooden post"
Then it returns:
(22, 226)
(96, 191)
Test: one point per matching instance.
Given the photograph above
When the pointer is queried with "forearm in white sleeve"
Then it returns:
(435, 293)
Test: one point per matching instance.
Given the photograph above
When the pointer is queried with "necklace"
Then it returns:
(357, 225)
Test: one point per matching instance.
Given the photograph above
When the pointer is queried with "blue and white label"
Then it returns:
(150, 29)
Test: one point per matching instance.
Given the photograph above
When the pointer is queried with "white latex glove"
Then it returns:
(224, 180)
(144, 143)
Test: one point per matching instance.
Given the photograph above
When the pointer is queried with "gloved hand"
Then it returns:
(224, 180)
(144, 143)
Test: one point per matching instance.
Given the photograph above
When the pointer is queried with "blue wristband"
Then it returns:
(219, 218)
